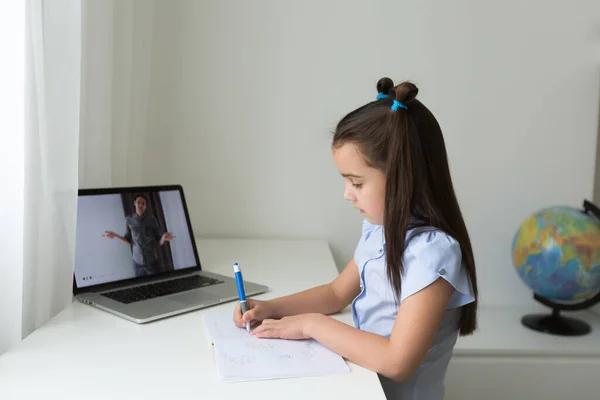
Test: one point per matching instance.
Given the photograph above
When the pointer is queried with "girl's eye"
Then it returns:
(357, 185)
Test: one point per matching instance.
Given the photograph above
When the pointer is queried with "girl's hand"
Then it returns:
(294, 327)
(257, 311)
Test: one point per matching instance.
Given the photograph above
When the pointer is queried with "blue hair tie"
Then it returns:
(382, 96)
(397, 105)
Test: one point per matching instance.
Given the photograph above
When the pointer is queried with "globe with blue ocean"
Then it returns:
(556, 252)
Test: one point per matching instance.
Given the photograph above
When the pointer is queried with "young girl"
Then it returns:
(411, 283)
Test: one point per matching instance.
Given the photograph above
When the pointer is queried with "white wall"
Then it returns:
(245, 94)
(115, 82)
(181, 245)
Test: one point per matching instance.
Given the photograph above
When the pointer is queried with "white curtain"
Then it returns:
(52, 93)
(116, 74)
(87, 84)
(12, 98)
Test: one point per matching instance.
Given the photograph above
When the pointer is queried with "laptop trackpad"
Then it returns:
(195, 297)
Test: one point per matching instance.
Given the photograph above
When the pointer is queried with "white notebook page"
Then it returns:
(241, 356)
(255, 359)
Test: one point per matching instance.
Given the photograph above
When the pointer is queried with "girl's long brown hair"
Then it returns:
(407, 145)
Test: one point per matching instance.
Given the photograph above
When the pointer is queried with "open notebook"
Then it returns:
(243, 357)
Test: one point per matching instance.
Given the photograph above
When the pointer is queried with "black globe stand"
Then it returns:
(555, 323)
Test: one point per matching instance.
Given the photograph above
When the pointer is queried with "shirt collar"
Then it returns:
(381, 231)
(135, 215)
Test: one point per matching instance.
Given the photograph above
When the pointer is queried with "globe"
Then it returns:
(556, 252)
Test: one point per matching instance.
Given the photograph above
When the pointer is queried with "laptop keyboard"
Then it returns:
(150, 291)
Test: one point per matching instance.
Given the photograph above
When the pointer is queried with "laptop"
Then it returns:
(136, 257)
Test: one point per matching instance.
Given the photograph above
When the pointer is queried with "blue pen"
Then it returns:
(241, 292)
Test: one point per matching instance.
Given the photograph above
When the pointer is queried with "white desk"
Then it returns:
(86, 353)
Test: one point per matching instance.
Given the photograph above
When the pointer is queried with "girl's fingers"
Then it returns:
(261, 329)
(266, 333)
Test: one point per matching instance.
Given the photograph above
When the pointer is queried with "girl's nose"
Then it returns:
(348, 193)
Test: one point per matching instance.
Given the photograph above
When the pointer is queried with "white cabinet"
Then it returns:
(503, 378)
(505, 360)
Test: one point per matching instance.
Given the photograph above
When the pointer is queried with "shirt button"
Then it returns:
(442, 271)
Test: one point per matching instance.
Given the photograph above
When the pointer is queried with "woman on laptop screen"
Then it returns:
(145, 236)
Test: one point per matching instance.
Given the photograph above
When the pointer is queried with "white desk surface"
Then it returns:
(86, 353)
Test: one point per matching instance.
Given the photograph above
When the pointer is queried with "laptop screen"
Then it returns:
(131, 234)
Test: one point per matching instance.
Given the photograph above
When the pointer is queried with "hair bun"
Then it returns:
(406, 91)
(385, 86)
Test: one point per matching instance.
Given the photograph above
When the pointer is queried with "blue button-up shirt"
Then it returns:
(429, 254)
